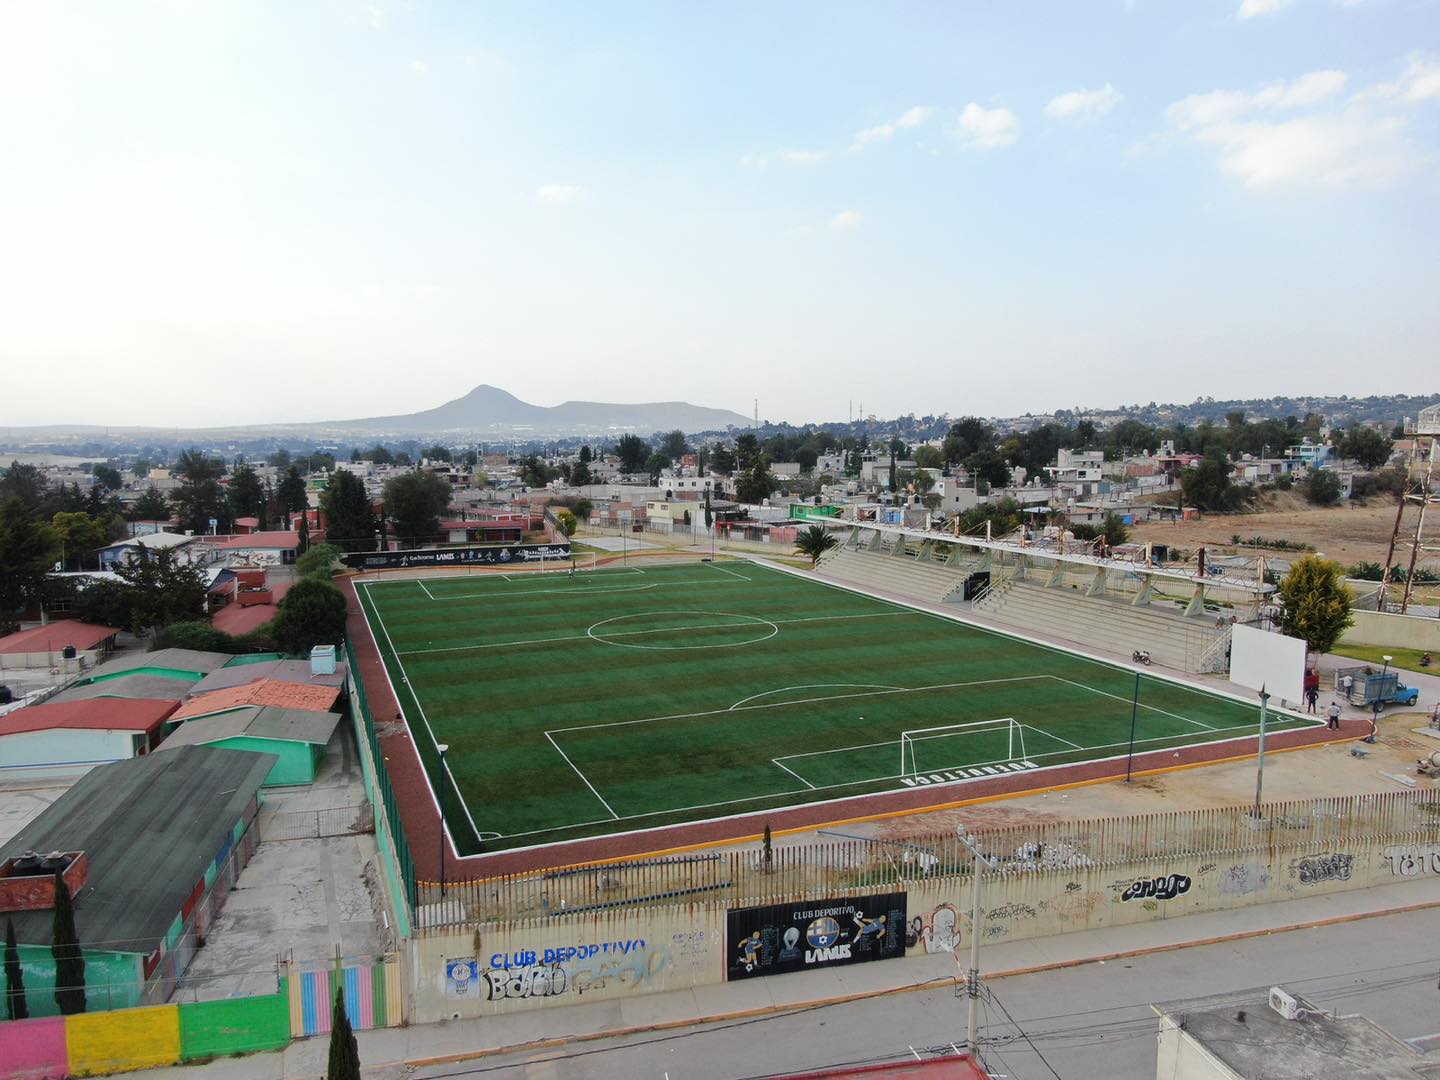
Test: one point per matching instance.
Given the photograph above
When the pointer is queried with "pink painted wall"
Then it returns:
(34, 1049)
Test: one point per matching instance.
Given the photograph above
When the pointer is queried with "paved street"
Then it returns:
(1086, 1022)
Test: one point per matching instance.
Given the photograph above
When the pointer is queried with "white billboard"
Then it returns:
(1274, 662)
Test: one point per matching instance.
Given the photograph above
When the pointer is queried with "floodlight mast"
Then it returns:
(972, 975)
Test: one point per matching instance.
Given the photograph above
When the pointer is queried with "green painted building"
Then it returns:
(296, 737)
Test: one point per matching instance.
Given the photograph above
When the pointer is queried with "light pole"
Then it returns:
(442, 747)
(1375, 707)
(1260, 757)
(972, 975)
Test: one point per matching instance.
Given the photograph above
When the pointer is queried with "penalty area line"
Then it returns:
(583, 778)
(792, 772)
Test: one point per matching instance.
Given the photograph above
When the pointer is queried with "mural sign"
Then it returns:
(501, 555)
(781, 938)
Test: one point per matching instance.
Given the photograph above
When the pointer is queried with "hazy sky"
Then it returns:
(238, 212)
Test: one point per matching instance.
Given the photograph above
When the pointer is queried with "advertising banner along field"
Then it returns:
(780, 938)
(502, 555)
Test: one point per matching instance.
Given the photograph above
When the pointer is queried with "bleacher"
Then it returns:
(906, 575)
(1172, 638)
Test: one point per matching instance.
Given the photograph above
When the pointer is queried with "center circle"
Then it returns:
(670, 630)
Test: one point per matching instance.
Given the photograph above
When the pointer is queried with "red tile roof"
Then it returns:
(94, 714)
(265, 692)
(56, 636)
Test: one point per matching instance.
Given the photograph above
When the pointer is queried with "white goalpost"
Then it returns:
(952, 746)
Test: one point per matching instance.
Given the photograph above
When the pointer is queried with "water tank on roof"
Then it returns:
(68, 652)
(322, 660)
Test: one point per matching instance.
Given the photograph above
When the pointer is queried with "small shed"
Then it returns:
(65, 738)
(296, 737)
(262, 692)
(66, 644)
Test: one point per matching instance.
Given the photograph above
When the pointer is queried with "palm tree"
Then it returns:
(814, 542)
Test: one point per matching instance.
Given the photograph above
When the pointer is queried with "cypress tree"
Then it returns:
(69, 959)
(15, 1006)
(344, 1061)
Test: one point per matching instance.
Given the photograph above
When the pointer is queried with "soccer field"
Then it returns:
(631, 697)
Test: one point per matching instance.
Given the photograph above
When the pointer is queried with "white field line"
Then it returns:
(659, 630)
(421, 583)
(793, 773)
(1051, 735)
(814, 686)
(584, 779)
(394, 691)
(561, 590)
(1152, 708)
(798, 701)
(723, 570)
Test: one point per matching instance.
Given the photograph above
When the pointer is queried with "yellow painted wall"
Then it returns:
(122, 1041)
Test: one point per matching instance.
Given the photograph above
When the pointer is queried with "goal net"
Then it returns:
(960, 746)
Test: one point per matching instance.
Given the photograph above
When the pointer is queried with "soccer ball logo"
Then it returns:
(822, 933)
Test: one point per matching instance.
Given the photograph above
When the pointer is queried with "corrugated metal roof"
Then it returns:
(138, 685)
(290, 671)
(175, 659)
(150, 827)
(269, 722)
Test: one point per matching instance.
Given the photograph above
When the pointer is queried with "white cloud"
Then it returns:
(1297, 134)
(377, 16)
(986, 129)
(1251, 8)
(846, 220)
(1084, 103)
(788, 155)
(800, 157)
(1220, 106)
(420, 67)
(559, 194)
(913, 117)
(1420, 81)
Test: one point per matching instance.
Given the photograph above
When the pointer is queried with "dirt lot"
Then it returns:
(1345, 534)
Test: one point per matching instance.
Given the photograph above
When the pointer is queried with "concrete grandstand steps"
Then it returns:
(904, 574)
(1172, 639)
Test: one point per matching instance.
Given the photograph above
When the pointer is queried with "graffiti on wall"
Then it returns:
(1412, 860)
(1159, 888)
(1315, 869)
(1075, 904)
(526, 974)
(938, 932)
(1242, 879)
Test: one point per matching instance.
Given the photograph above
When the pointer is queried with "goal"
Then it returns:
(961, 746)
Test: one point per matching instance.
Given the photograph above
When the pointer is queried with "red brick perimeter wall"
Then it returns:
(422, 817)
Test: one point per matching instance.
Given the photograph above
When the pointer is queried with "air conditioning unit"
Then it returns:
(1284, 1003)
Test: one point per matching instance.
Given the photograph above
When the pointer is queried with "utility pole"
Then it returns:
(972, 974)
(1260, 757)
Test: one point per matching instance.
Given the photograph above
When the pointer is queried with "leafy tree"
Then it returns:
(16, 1007)
(747, 449)
(199, 497)
(311, 613)
(150, 506)
(348, 513)
(586, 456)
(161, 589)
(69, 958)
(709, 516)
(674, 446)
(437, 453)
(814, 542)
(929, 457)
(1111, 529)
(922, 480)
(23, 482)
(755, 484)
(290, 493)
(108, 477)
(1323, 487)
(379, 455)
(582, 510)
(1316, 602)
(302, 541)
(414, 502)
(103, 602)
(1003, 515)
(27, 548)
(194, 634)
(580, 474)
(344, 1062)
(722, 461)
(655, 464)
(1208, 486)
(568, 522)
(246, 494)
(471, 459)
(78, 534)
(320, 561)
(1368, 447)
(632, 452)
(988, 466)
(535, 473)
(280, 459)
(968, 435)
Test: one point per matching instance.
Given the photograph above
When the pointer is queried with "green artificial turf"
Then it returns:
(632, 697)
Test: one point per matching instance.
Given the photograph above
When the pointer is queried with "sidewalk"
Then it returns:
(392, 1052)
